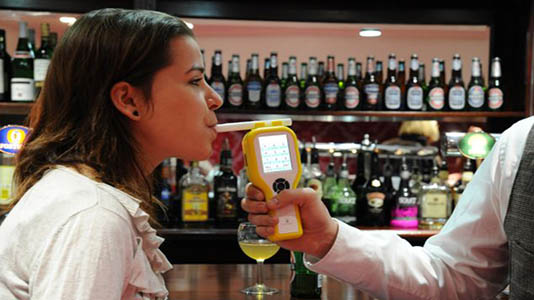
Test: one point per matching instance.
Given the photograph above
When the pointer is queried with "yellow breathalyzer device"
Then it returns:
(272, 160)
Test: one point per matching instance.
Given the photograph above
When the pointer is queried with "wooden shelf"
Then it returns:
(15, 108)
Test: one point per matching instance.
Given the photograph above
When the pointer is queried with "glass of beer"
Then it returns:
(257, 248)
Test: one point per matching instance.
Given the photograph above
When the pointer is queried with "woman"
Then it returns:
(125, 90)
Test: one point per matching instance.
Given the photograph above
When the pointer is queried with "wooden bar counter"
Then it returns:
(223, 282)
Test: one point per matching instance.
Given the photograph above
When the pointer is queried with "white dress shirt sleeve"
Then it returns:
(468, 259)
(89, 258)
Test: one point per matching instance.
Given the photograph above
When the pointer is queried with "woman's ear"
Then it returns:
(128, 99)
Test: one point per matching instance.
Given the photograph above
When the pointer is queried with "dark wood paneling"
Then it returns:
(64, 5)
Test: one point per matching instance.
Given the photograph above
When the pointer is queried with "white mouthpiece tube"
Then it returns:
(237, 126)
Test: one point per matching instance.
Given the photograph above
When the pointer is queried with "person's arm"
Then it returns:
(90, 257)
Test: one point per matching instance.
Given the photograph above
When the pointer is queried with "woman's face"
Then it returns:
(182, 119)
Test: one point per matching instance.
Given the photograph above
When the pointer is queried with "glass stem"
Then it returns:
(259, 275)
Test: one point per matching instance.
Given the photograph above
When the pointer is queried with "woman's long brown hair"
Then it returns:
(74, 122)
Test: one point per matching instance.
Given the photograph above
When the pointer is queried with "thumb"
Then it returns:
(300, 197)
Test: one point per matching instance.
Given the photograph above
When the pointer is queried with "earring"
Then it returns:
(135, 113)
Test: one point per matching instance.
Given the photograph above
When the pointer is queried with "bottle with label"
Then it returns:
(343, 197)
(371, 87)
(225, 188)
(495, 92)
(435, 203)
(340, 75)
(194, 188)
(330, 181)
(375, 197)
(330, 86)
(392, 89)
(253, 84)
(304, 282)
(414, 90)
(316, 176)
(292, 90)
(416, 177)
(217, 80)
(42, 58)
(5, 69)
(321, 71)
(22, 83)
(235, 85)
(456, 97)
(272, 90)
(404, 213)
(436, 89)
(379, 72)
(7, 169)
(312, 92)
(475, 88)
(351, 92)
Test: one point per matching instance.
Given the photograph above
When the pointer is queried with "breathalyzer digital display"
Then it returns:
(275, 154)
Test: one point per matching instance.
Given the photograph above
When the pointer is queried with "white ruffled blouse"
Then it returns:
(73, 238)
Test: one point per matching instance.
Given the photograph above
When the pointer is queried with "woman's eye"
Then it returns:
(196, 81)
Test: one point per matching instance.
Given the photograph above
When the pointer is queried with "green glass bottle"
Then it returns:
(42, 58)
(343, 197)
(5, 68)
(22, 83)
(225, 188)
(351, 89)
(304, 283)
(456, 97)
(330, 182)
(435, 99)
(495, 91)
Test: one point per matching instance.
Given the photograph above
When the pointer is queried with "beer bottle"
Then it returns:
(5, 69)
(292, 90)
(351, 93)
(456, 99)
(414, 90)
(321, 71)
(379, 73)
(22, 82)
(304, 282)
(404, 214)
(392, 90)
(235, 85)
(330, 86)
(371, 88)
(442, 71)
(495, 92)
(225, 188)
(475, 88)
(436, 94)
(266, 68)
(340, 75)
(253, 84)
(312, 92)
(217, 80)
(272, 90)
(42, 58)
(285, 76)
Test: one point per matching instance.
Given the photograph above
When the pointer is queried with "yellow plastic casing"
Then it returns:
(256, 176)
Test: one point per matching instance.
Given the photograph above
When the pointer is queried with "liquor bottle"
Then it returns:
(42, 58)
(444, 172)
(495, 92)
(359, 76)
(225, 187)
(351, 93)
(312, 92)
(7, 169)
(164, 193)
(379, 72)
(235, 85)
(22, 83)
(475, 88)
(401, 76)
(344, 199)
(330, 85)
(371, 88)
(330, 181)
(253, 84)
(358, 184)
(435, 203)
(304, 282)
(436, 89)
(53, 40)
(414, 90)
(266, 68)
(321, 71)
(456, 99)
(375, 197)
(285, 77)
(292, 91)
(272, 91)
(442, 71)
(392, 89)
(340, 75)
(404, 213)
(316, 176)
(416, 177)
(217, 80)
(5, 69)
(195, 188)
